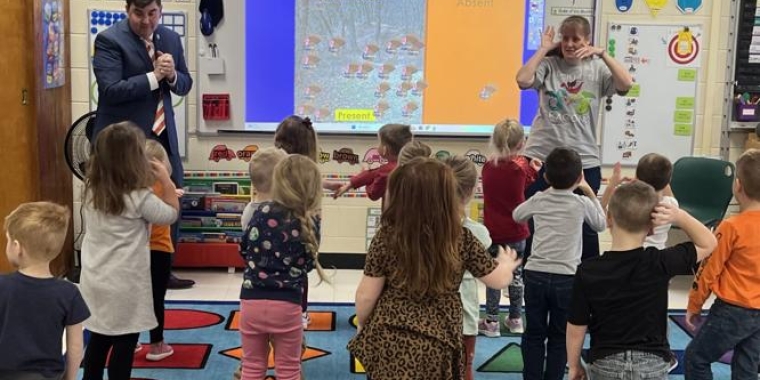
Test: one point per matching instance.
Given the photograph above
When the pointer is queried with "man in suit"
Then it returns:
(138, 64)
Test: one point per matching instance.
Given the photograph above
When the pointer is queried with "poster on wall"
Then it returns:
(52, 44)
(658, 114)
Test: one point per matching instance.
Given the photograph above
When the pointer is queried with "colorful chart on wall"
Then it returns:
(658, 114)
(53, 44)
(100, 20)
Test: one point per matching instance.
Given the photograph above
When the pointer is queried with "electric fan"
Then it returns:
(76, 147)
(76, 150)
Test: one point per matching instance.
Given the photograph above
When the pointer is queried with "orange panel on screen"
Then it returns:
(472, 54)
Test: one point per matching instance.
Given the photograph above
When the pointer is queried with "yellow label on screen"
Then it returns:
(348, 114)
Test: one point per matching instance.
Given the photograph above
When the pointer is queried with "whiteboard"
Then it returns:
(100, 20)
(659, 112)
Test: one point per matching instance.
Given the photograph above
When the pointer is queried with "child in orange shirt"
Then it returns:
(733, 274)
(161, 248)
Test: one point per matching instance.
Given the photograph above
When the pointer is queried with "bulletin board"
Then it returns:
(100, 20)
(658, 114)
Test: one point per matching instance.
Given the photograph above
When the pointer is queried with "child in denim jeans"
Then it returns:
(505, 177)
(558, 215)
(733, 274)
(621, 297)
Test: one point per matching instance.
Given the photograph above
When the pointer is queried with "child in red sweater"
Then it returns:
(392, 137)
(505, 177)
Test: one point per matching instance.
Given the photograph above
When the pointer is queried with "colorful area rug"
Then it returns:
(206, 342)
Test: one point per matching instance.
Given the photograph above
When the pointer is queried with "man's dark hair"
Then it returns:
(142, 3)
(563, 167)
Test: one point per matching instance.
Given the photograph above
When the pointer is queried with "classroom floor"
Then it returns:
(218, 285)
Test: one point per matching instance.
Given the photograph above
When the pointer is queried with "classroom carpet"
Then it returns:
(206, 342)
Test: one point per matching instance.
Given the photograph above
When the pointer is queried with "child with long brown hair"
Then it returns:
(467, 178)
(118, 207)
(506, 176)
(408, 308)
(280, 247)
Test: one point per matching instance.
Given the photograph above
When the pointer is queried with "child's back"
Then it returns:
(33, 315)
(621, 297)
(36, 307)
(558, 215)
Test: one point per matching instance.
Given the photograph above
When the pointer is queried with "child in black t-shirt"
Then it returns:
(35, 307)
(621, 297)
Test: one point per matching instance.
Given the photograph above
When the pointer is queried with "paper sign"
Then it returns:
(684, 103)
(635, 91)
(687, 75)
(682, 130)
(682, 117)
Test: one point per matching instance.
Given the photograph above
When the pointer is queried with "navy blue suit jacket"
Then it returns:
(121, 63)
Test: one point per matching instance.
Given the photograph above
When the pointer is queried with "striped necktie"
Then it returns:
(159, 124)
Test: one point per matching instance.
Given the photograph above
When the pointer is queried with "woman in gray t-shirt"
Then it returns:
(571, 77)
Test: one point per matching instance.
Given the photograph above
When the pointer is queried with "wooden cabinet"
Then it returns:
(35, 120)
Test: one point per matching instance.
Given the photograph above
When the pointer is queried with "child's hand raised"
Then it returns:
(664, 213)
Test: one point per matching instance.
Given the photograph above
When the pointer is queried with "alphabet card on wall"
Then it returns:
(689, 6)
(623, 5)
(655, 6)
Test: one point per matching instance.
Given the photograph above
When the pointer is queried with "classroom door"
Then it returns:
(18, 136)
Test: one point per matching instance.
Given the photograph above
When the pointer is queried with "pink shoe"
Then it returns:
(159, 351)
(489, 329)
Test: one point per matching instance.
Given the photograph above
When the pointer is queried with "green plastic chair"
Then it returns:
(703, 187)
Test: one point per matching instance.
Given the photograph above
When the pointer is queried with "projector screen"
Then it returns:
(446, 67)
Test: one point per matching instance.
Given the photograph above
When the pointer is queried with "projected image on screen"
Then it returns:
(443, 66)
(363, 64)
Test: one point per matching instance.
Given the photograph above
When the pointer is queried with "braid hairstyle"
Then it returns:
(297, 185)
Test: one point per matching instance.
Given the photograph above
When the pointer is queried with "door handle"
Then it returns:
(24, 93)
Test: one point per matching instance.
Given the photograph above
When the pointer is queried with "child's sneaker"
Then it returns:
(238, 373)
(158, 352)
(305, 320)
(514, 325)
(490, 329)
(673, 363)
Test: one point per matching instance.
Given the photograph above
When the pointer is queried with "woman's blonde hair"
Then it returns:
(297, 185)
(413, 149)
(424, 215)
(154, 150)
(506, 138)
(118, 165)
(465, 173)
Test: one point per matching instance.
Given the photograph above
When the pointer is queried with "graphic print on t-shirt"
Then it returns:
(570, 96)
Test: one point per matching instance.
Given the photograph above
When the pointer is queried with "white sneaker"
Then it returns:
(159, 352)
(514, 325)
(305, 320)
